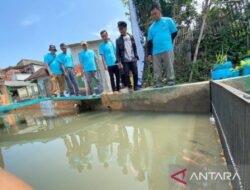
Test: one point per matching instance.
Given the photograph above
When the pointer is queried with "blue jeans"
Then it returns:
(71, 82)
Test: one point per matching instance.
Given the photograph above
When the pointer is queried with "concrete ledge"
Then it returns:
(191, 98)
(240, 83)
(61, 102)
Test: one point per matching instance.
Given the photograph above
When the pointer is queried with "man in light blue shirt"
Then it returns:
(66, 60)
(108, 52)
(88, 60)
(55, 71)
(160, 45)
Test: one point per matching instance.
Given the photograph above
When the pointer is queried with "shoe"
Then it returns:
(136, 88)
(171, 83)
(158, 85)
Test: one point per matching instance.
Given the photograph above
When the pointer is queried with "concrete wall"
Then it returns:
(20, 76)
(182, 98)
(37, 67)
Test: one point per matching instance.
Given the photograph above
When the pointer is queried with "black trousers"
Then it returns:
(122, 77)
(115, 82)
(130, 66)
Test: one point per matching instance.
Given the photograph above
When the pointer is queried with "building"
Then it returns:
(94, 45)
(22, 70)
(13, 87)
(2, 75)
(42, 79)
(15, 91)
(24, 62)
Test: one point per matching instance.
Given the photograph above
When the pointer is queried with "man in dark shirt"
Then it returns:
(126, 54)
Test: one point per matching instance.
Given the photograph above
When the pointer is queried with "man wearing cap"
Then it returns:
(66, 60)
(160, 46)
(107, 51)
(126, 53)
(88, 60)
(55, 71)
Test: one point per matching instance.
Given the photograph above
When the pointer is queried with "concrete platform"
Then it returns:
(186, 98)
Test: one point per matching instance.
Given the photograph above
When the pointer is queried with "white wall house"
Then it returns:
(94, 45)
(19, 76)
(26, 71)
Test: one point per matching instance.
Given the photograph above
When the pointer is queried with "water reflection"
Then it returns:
(23, 123)
(138, 149)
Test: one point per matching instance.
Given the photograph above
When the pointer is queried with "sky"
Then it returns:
(27, 27)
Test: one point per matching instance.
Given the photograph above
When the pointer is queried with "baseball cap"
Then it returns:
(52, 47)
(84, 43)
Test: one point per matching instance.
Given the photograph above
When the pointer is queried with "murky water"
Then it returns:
(110, 150)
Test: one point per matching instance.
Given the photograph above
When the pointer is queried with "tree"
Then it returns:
(206, 9)
(220, 24)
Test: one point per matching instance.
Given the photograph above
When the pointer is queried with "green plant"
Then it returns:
(221, 58)
(229, 32)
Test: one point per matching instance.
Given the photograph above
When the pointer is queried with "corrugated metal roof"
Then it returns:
(23, 62)
(22, 66)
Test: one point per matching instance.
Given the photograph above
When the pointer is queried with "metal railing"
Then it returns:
(232, 114)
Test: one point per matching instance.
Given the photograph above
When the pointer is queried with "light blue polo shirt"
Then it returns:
(160, 32)
(108, 51)
(66, 59)
(54, 65)
(88, 58)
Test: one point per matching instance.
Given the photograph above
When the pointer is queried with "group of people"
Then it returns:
(118, 59)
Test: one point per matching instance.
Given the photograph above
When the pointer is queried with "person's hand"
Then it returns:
(106, 68)
(120, 65)
(65, 74)
(11, 182)
(150, 59)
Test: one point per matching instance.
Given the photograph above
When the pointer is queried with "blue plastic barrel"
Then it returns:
(226, 65)
(246, 70)
(235, 73)
(221, 74)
